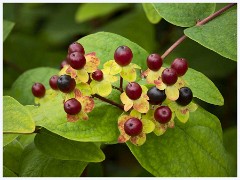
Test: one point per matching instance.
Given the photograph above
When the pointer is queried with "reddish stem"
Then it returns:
(109, 101)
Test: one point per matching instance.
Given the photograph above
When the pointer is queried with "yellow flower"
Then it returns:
(151, 76)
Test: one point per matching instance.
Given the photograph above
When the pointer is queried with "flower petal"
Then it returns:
(141, 105)
(84, 88)
(192, 107)
(182, 115)
(148, 126)
(135, 114)
(180, 83)
(171, 123)
(160, 129)
(128, 73)
(82, 76)
(92, 63)
(172, 92)
(87, 103)
(152, 76)
(138, 140)
(63, 70)
(128, 103)
(123, 136)
(83, 116)
(112, 67)
(159, 84)
(72, 118)
(71, 71)
(110, 78)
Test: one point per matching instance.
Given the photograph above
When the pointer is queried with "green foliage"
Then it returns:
(36, 164)
(184, 14)
(17, 119)
(8, 173)
(219, 35)
(8, 138)
(7, 27)
(61, 148)
(191, 149)
(151, 13)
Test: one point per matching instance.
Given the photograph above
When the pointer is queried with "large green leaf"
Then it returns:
(105, 44)
(151, 13)
(22, 87)
(16, 117)
(8, 138)
(36, 164)
(8, 173)
(7, 27)
(191, 149)
(58, 147)
(219, 35)
(184, 14)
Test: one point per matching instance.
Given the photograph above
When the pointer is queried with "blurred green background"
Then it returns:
(42, 33)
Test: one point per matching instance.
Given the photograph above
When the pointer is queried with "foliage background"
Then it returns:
(42, 33)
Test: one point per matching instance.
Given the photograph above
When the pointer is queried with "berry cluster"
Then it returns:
(151, 109)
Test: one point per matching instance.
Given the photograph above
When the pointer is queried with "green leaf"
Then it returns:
(151, 13)
(105, 44)
(26, 139)
(202, 87)
(191, 149)
(101, 126)
(90, 11)
(61, 148)
(16, 117)
(7, 27)
(184, 14)
(8, 138)
(219, 35)
(22, 87)
(8, 173)
(36, 164)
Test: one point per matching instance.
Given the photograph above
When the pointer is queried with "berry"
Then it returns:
(169, 76)
(97, 75)
(72, 106)
(76, 60)
(185, 96)
(133, 90)
(180, 65)
(63, 63)
(154, 62)
(76, 47)
(133, 127)
(65, 83)
(156, 96)
(38, 90)
(123, 55)
(163, 114)
(53, 82)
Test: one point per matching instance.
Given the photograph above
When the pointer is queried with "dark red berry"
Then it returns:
(156, 96)
(163, 114)
(133, 90)
(97, 75)
(185, 96)
(72, 106)
(77, 60)
(63, 63)
(76, 47)
(133, 127)
(180, 65)
(154, 62)
(53, 82)
(169, 76)
(123, 55)
(66, 84)
(38, 90)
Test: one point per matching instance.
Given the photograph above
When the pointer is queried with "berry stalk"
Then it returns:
(108, 101)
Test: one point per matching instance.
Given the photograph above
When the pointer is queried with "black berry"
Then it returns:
(72, 106)
(77, 60)
(97, 75)
(163, 114)
(185, 96)
(123, 55)
(65, 83)
(180, 65)
(133, 90)
(169, 76)
(76, 47)
(156, 96)
(38, 90)
(63, 63)
(154, 62)
(133, 127)
(53, 82)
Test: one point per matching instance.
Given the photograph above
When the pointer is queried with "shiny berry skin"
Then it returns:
(163, 114)
(133, 127)
(72, 106)
(63, 63)
(133, 90)
(38, 90)
(156, 96)
(77, 60)
(66, 84)
(185, 96)
(97, 75)
(180, 65)
(53, 82)
(76, 47)
(154, 62)
(169, 76)
(123, 55)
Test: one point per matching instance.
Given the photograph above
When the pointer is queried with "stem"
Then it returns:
(114, 87)
(121, 84)
(202, 22)
(108, 101)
